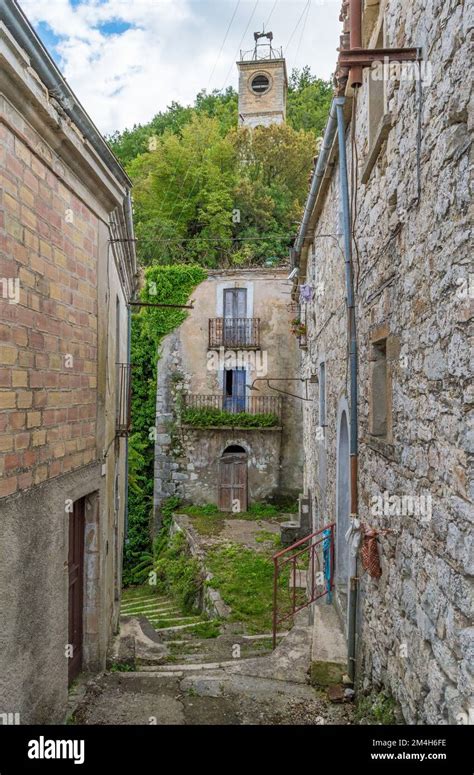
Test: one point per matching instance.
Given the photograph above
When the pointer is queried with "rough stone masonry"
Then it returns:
(413, 275)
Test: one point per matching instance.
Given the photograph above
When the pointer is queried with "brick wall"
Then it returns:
(48, 340)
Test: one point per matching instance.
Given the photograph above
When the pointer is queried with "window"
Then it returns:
(260, 84)
(379, 389)
(322, 395)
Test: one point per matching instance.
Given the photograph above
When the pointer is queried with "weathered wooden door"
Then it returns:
(76, 587)
(233, 482)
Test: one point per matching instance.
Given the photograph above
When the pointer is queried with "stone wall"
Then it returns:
(412, 260)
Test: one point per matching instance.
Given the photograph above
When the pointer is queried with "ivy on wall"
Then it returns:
(167, 285)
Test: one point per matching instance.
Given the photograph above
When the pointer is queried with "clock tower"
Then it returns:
(263, 84)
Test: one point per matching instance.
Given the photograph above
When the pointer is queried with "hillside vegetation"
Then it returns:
(209, 193)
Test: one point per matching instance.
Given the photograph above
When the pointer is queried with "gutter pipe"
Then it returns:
(353, 368)
(316, 180)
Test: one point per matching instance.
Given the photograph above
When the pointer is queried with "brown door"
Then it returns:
(76, 587)
(233, 482)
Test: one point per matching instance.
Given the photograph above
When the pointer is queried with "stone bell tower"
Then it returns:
(263, 84)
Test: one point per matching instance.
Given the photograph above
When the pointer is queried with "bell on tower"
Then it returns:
(263, 83)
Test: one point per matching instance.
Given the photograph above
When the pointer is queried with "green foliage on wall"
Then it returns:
(214, 418)
(169, 285)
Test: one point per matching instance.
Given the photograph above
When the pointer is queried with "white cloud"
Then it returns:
(171, 50)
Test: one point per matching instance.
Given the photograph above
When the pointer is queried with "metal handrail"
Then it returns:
(234, 332)
(234, 404)
(289, 555)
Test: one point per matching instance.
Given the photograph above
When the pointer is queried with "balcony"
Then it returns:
(235, 411)
(234, 332)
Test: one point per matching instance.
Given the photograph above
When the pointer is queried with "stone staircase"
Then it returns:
(156, 636)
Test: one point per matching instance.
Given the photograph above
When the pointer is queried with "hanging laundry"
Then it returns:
(306, 293)
(369, 553)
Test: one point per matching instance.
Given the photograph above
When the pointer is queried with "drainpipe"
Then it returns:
(316, 180)
(355, 36)
(351, 323)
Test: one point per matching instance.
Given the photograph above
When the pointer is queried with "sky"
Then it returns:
(128, 59)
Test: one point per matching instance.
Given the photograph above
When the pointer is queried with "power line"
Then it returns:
(271, 14)
(240, 44)
(297, 25)
(223, 43)
(302, 31)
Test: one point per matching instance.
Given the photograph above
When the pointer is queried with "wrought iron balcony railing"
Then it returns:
(234, 332)
(124, 399)
(235, 404)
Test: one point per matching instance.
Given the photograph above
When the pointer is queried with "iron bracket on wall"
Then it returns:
(365, 57)
(312, 380)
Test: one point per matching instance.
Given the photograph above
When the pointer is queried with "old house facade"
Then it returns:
(67, 272)
(398, 136)
(219, 365)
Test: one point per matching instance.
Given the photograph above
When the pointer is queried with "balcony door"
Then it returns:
(235, 313)
(235, 381)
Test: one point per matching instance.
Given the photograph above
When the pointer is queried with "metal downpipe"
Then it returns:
(317, 178)
(351, 323)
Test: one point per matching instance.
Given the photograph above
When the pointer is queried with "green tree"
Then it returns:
(309, 100)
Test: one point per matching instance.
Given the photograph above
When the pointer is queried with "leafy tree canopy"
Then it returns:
(208, 193)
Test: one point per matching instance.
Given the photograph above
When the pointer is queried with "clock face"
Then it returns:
(260, 84)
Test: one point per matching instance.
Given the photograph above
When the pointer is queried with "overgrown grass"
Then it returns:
(244, 579)
(377, 709)
(209, 521)
(178, 574)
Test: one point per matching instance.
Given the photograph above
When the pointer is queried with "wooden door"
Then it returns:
(76, 587)
(233, 482)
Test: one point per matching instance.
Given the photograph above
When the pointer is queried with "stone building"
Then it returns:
(263, 84)
(407, 139)
(64, 283)
(220, 364)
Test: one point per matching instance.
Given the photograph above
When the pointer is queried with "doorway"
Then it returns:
(235, 381)
(342, 514)
(233, 479)
(76, 587)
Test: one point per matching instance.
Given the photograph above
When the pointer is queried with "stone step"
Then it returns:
(149, 609)
(152, 600)
(179, 627)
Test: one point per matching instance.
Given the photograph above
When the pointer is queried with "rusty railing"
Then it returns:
(304, 572)
(234, 404)
(234, 332)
